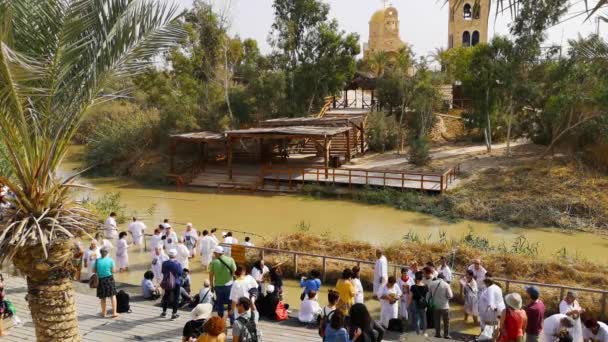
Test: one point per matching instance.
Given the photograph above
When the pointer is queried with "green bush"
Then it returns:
(5, 168)
(120, 132)
(419, 152)
(382, 132)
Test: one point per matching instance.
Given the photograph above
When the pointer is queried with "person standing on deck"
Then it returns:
(228, 239)
(513, 320)
(111, 227)
(413, 269)
(90, 256)
(440, 294)
(390, 294)
(190, 237)
(122, 252)
(172, 275)
(206, 246)
(535, 311)
(221, 272)
(359, 292)
(479, 272)
(570, 307)
(137, 229)
(404, 283)
(157, 263)
(380, 272)
(183, 254)
(345, 288)
(491, 303)
(105, 268)
(471, 295)
(445, 270)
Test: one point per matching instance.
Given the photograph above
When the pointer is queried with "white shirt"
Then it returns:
(90, 255)
(190, 237)
(258, 274)
(240, 287)
(309, 310)
(155, 240)
(447, 273)
(170, 241)
(136, 228)
(122, 247)
(552, 327)
(214, 238)
(479, 274)
(248, 244)
(231, 240)
(111, 228)
(107, 244)
(182, 255)
(601, 336)
(359, 293)
(495, 298)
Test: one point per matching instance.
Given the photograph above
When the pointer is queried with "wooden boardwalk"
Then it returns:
(145, 323)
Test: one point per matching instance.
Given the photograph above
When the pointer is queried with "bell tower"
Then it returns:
(468, 22)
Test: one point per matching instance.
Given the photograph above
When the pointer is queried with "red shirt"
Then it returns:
(536, 315)
(514, 323)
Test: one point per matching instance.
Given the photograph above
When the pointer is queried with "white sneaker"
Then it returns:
(425, 335)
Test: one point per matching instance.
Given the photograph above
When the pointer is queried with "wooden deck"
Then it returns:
(145, 324)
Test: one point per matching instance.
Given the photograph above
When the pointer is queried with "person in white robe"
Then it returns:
(157, 263)
(190, 237)
(380, 272)
(170, 239)
(103, 242)
(356, 280)
(90, 256)
(111, 227)
(479, 272)
(122, 252)
(554, 325)
(206, 246)
(137, 230)
(571, 308)
(491, 303)
(444, 269)
(404, 283)
(155, 240)
(247, 242)
(389, 295)
(228, 239)
(471, 295)
(183, 254)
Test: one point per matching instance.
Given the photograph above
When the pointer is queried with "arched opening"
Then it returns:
(476, 11)
(468, 15)
(475, 39)
(466, 38)
(451, 41)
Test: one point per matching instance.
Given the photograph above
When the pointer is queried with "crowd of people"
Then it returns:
(418, 300)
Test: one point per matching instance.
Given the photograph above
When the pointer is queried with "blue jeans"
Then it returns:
(222, 297)
(418, 318)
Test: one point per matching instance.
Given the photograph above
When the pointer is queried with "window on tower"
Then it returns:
(476, 10)
(468, 14)
(475, 38)
(466, 38)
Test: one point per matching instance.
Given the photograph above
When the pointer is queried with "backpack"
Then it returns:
(396, 324)
(168, 282)
(251, 332)
(281, 312)
(122, 302)
(323, 323)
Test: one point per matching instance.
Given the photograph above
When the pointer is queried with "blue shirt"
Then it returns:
(147, 288)
(174, 267)
(310, 285)
(340, 335)
(104, 267)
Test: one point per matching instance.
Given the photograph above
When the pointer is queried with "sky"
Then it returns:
(423, 23)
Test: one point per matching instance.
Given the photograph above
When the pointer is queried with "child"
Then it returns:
(310, 309)
(122, 252)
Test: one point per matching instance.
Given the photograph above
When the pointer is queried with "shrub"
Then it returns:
(382, 132)
(419, 152)
(120, 132)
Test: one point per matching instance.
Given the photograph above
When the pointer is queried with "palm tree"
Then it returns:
(56, 58)
(379, 61)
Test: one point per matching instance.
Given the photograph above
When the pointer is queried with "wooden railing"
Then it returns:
(350, 177)
(395, 268)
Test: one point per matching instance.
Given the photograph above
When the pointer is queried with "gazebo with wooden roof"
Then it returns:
(202, 139)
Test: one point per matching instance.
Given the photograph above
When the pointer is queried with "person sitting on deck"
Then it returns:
(213, 330)
(185, 288)
(311, 283)
(148, 288)
(269, 304)
(336, 331)
(310, 310)
(194, 328)
(206, 294)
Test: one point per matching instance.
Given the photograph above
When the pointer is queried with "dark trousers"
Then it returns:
(222, 297)
(172, 296)
(440, 315)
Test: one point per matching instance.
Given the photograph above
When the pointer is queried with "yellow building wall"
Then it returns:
(458, 24)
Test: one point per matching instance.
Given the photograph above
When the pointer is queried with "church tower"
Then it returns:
(384, 33)
(468, 22)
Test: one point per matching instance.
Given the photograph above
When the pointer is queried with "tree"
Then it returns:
(56, 59)
(316, 58)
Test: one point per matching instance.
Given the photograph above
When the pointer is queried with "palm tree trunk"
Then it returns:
(53, 308)
(50, 291)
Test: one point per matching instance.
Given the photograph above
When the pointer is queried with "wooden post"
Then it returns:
(205, 155)
(362, 137)
(295, 263)
(350, 179)
(334, 102)
(507, 286)
(441, 184)
(289, 175)
(603, 306)
(346, 98)
(402, 181)
(422, 182)
(324, 269)
(326, 156)
(172, 150)
(334, 175)
(229, 157)
(384, 180)
(348, 145)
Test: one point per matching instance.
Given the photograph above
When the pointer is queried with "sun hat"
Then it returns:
(513, 300)
(270, 288)
(218, 250)
(202, 311)
(189, 225)
(172, 253)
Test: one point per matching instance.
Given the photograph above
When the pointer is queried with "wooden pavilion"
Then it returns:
(202, 139)
(322, 136)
